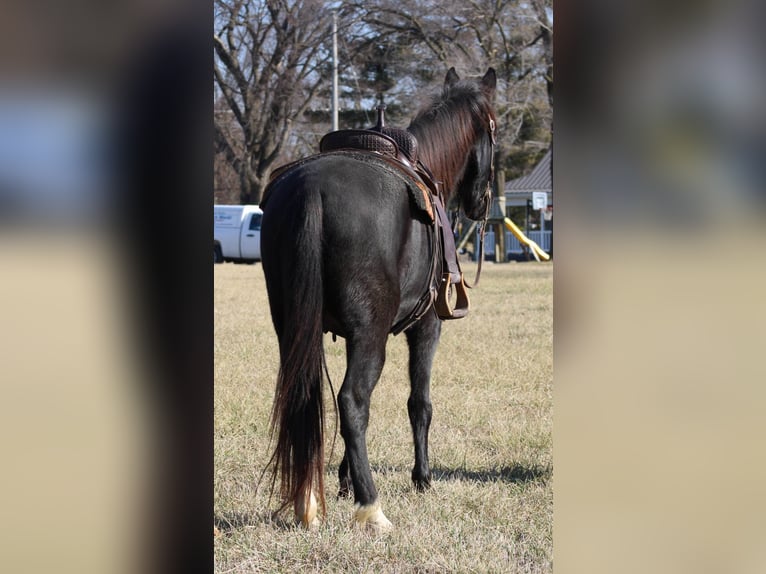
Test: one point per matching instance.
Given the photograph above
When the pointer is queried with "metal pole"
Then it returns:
(334, 71)
(500, 253)
(524, 248)
(526, 227)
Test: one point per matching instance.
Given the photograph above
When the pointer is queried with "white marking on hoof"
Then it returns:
(306, 513)
(371, 517)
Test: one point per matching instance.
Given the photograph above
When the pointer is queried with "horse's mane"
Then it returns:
(446, 129)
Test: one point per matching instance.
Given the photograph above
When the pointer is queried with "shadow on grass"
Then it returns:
(231, 521)
(515, 474)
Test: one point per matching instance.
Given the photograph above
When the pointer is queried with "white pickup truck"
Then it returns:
(237, 233)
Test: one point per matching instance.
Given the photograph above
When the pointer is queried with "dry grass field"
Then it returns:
(491, 505)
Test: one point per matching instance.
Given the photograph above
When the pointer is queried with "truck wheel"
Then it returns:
(217, 255)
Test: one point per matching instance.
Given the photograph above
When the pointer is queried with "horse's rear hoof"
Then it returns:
(422, 483)
(313, 525)
(306, 511)
(371, 518)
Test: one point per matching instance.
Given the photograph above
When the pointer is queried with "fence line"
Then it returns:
(512, 244)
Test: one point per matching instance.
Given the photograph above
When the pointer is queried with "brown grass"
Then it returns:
(491, 505)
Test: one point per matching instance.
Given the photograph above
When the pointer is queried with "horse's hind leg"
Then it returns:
(344, 479)
(365, 355)
(423, 337)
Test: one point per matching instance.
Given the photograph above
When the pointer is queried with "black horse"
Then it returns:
(345, 251)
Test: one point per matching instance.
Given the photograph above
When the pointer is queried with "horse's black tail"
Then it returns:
(296, 294)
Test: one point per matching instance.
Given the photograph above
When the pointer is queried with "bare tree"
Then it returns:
(271, 60)
(272, 73)
(514, 36)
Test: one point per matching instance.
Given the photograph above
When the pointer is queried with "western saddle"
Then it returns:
(399, 149)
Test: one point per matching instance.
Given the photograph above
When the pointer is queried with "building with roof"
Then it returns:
(519, 192)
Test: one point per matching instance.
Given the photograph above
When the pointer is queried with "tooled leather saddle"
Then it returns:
(399, 149)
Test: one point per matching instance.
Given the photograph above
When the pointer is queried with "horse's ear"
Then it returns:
(451, 78)
(489, 81)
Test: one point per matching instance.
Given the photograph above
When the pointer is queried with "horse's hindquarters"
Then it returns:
(375, 250)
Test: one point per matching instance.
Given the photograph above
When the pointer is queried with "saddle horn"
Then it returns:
(381, 119)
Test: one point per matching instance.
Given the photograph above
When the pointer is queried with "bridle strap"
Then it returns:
(488, 194)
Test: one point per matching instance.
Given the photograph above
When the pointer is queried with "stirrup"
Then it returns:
(442, 304)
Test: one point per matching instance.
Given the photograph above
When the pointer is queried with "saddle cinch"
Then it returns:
(400, 150)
